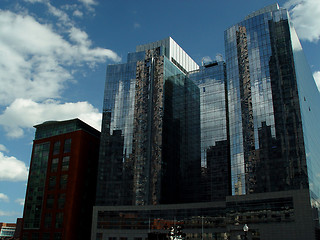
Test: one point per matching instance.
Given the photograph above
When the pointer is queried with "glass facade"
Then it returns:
(212, 220)
(242, 136)
(309, 99)
(266, 137)
(115, 167)
(150, 142)
(215, 160)
(36, 186)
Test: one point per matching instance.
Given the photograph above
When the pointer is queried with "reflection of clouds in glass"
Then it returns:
(261, 89)
(128, 130)
(213, 117)
(117, 119)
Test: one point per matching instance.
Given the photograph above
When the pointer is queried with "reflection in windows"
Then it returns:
(52, 182)
(65, 163)
(67, 146)
(59, 220)
(57, 236)
(47, 220)
(54, 164)
(63, 181)
(50, 201)
(56, 148)
(34, 196)
(61, 200)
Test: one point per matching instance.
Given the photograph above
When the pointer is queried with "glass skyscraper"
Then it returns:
(150, 142)
(273, 110)
(266, 127)
(215, 157)
(216, 147)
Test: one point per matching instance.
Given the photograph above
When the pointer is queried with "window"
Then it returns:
(67, 146)
(54, 164)
(59, 220)
(52, 182)
(99, 236)
(50, 201)
(47, 220)
(63, 181)
(65, 163)
(61, 200)
(45, 236)
(57, 236)
(56, 148)
(35, 236)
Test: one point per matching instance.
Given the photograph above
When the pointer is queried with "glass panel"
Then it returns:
(65, 163)
(56, 148)
(67, 145)
(54, 164)
(63, 181)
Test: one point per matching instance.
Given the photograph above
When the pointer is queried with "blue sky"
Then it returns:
(53, 57)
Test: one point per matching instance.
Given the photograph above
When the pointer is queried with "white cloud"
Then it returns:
(79, 37)
(12, 169)
(305, 15)
(89, 2)
(36, 61)
(316, 76)
(77, 13)
(61, 15)
(7, 214)
(36, 113)
(3, 148)
(136, 25)
(20, 201)
(35, 1)
(4, 197)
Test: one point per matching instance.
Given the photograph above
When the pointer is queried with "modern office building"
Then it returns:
(258, 122)
(62, 179)
(215, 157)
(150, 142)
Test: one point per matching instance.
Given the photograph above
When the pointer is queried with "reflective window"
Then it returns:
(67, 146)
(65, 163)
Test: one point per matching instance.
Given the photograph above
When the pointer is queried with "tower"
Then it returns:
(153, 108)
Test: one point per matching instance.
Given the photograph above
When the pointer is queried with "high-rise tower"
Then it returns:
(215, 157)
(257, 131)
(266, 120)
(149, 151)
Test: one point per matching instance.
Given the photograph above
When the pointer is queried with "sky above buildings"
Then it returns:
(53, 57)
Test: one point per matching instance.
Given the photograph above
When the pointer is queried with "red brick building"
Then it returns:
(62, 179)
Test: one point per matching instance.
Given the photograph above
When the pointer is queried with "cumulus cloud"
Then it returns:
(36, 62)
(3, 148)
(35, 113)
(20, 201)
(4, 197)
(316, 76)
(305, 15)
(77, 13)
(12, 169)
